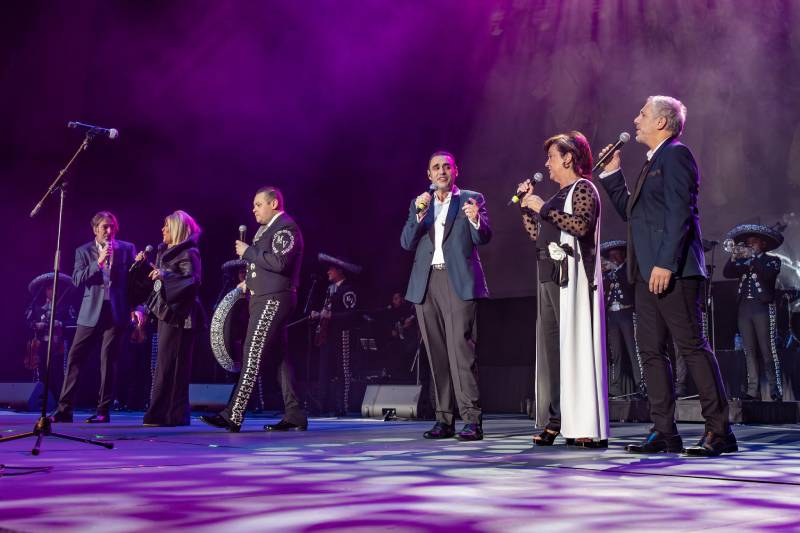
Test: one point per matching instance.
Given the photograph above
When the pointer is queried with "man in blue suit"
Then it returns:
(101, 268)
(666, 262)
(446, 279)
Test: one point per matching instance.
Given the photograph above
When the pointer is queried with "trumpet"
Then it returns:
(739, 250)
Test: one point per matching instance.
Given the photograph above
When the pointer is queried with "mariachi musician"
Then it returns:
(620, 319)
(757, 271)
(332, 336)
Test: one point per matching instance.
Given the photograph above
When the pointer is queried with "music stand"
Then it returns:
(43, 426)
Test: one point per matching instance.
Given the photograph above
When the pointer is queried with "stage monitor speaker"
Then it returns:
(25, 396)
(390, 401)
(209, 395)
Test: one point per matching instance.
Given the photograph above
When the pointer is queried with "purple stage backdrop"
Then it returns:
(340, 102)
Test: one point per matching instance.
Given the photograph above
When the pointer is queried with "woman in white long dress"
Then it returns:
(571, 381)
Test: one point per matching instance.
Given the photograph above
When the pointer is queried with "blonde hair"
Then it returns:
(181, 227)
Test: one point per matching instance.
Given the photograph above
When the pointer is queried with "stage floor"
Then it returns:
(362, 475)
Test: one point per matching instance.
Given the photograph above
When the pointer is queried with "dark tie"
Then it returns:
(638, 188)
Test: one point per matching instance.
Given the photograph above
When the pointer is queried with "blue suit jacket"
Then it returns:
(459, 247)
(87, 274)
(662, 214)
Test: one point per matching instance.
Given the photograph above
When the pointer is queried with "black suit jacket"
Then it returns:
(87, 274)
(459, 247)
(274, 259)
(662, 214)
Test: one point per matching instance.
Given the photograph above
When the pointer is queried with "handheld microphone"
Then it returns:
(623, 138)
(242, 233)
(421, 205)
(147, 250)
(537, 178)
(111, 133)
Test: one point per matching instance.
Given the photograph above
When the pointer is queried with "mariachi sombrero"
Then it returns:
(228, 330)
(611, 245)
(341, 263)
(773, 238)
(38, 283)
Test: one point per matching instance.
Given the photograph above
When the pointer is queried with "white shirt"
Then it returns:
(105, 268)
(649, 157)
(440, 210)
(266, 226)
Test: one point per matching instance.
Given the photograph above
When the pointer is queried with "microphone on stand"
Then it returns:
(111, 133)
(537, 178)
(623, 138)
(421, 205)
(242, 233)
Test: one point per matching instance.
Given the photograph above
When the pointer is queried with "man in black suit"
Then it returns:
(446, 279)
(757, 272)
(273, 275)
(666, 262)
(101, 268)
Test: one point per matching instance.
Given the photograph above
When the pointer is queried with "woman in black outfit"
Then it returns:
(174, 302)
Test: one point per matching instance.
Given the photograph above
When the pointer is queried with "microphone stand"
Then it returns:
(309, 336)
(43, 427)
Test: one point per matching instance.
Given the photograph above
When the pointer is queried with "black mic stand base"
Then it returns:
(43, 428)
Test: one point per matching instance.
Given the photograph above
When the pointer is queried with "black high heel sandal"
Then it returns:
(546, 437)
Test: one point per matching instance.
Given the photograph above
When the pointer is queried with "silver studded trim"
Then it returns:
(773, 332)
(642, 383)
(217, 330)
(282, 242)
(252, 361)
(346, 374)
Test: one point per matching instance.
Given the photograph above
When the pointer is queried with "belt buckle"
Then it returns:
(438, 266)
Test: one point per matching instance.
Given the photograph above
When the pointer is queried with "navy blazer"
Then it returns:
(87, 274)
(459, 247)
(662, 214)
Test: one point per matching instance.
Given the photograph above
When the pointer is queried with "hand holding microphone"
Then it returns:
(525, 188)
(241, 245)
(609, 157)
(141, 256)
(424, 200)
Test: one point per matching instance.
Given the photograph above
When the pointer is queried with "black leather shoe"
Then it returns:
(713, 444)
(219, 421)
(590, 443)
(60, 416)
(283, 425)
(99, 419)
(748, 398)
(470, 432)
(657, 442)
(440, 431)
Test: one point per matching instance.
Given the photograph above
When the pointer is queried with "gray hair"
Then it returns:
(671, 109)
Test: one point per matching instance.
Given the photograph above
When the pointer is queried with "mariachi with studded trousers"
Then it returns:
(757, 272)
(336, 349)
(273, 273)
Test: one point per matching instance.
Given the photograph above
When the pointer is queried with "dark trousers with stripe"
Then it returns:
(757, 326)
(267, 339)
(448, 328)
